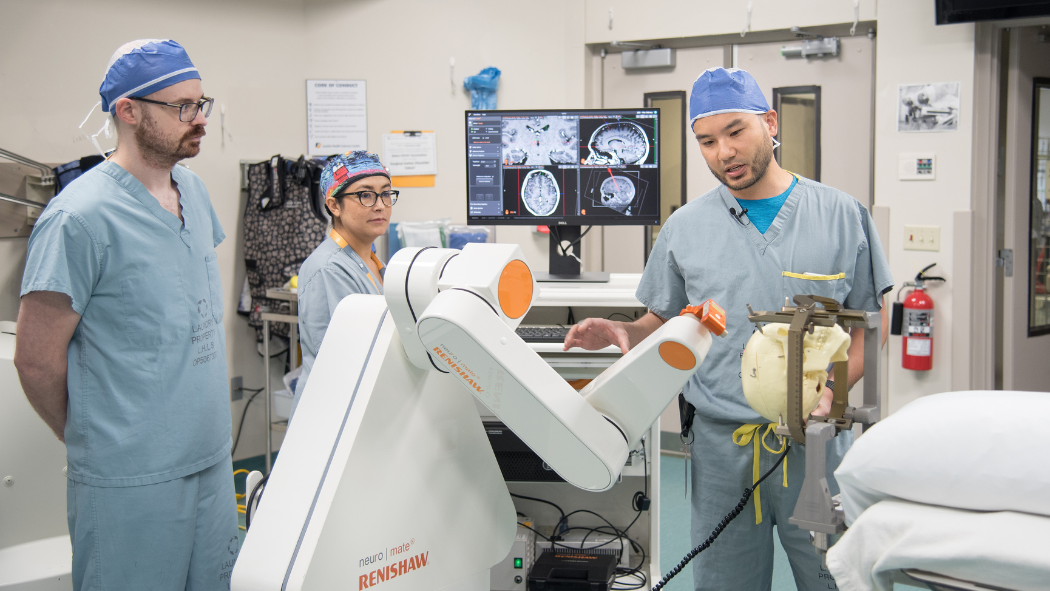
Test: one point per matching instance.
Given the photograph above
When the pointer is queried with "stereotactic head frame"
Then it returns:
(810, 311)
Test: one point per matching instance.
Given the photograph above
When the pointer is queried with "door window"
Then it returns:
(1039, 218)
(798, 115)
(672, 156)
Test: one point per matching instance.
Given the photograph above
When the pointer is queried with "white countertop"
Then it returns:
(617, 292)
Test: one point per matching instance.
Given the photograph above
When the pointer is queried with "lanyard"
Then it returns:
(342, 244)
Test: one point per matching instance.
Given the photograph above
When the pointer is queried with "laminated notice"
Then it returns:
(919, 347)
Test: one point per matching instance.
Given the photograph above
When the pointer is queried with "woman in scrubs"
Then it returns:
(359, 198)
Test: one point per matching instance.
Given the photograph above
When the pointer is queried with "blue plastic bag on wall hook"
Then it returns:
(482, 88)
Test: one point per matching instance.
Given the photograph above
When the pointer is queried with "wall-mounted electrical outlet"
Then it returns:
(922, 238)
(236, 388)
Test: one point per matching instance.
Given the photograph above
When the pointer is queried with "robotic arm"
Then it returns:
(468, 305)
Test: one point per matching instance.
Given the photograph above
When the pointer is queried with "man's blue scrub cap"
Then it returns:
(721, 90)
(143, 67)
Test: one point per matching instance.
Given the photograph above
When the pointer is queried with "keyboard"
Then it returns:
(542, 334)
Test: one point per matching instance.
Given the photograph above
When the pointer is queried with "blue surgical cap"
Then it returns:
(721, 90)
(143, 67)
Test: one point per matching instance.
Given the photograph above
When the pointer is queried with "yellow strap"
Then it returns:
(341, 243)
(375, 259)
(814, 277)
(372, 279)
(748, 433)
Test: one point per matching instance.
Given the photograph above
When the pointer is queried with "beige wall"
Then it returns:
(910, 50)
(659, 19)
(403, 50)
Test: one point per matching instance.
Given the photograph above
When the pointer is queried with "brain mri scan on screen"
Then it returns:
(539, 140)
(571, 167)
(622, 191)
(617, 193)
(619, 143)
(540, 192)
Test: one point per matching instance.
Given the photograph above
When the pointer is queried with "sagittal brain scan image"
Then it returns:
(617, 144)
(540, 140)
(617, 192)
(540, 192)
(625, 192)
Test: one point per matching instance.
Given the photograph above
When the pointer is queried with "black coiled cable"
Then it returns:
(257, 489)
(721, 525)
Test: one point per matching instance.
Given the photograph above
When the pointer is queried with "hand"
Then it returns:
(824, 406)
(597, 333)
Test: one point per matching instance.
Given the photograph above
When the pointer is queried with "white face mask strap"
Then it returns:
(94, 138)
(776, 144)
(102, 130)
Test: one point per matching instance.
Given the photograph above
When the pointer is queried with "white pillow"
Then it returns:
(979, 450)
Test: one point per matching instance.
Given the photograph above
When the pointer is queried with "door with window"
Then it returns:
(1024, 290)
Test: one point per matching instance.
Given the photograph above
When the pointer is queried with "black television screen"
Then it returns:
(968, 11)
(563, 167)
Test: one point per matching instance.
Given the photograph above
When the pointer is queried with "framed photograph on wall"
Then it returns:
(928, 107)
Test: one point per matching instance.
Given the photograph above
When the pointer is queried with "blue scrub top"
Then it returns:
(147, 375)
(328, 275)
(822, 242)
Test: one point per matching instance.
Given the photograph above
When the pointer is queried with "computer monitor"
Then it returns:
(564, 169)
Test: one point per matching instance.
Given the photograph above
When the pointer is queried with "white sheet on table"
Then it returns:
(916, 454)
(1005, 549)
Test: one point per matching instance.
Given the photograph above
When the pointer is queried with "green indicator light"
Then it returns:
(517, 563)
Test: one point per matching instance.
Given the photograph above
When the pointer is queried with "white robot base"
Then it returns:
(385, 478)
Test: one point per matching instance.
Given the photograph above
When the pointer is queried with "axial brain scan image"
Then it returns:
(540, 192)
(540, 140)
(617, 192)
(619, 143)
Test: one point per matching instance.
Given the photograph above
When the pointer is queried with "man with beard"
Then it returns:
(121, 347)
(763, 235)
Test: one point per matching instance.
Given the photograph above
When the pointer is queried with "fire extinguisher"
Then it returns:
(913, 319)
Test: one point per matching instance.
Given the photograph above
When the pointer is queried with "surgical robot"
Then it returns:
(386, 476)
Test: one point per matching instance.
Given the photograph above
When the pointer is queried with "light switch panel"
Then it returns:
(922, 238)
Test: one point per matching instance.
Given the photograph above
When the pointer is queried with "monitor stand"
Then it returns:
(567, 267)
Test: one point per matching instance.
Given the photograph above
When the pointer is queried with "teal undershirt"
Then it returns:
(762, 212)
